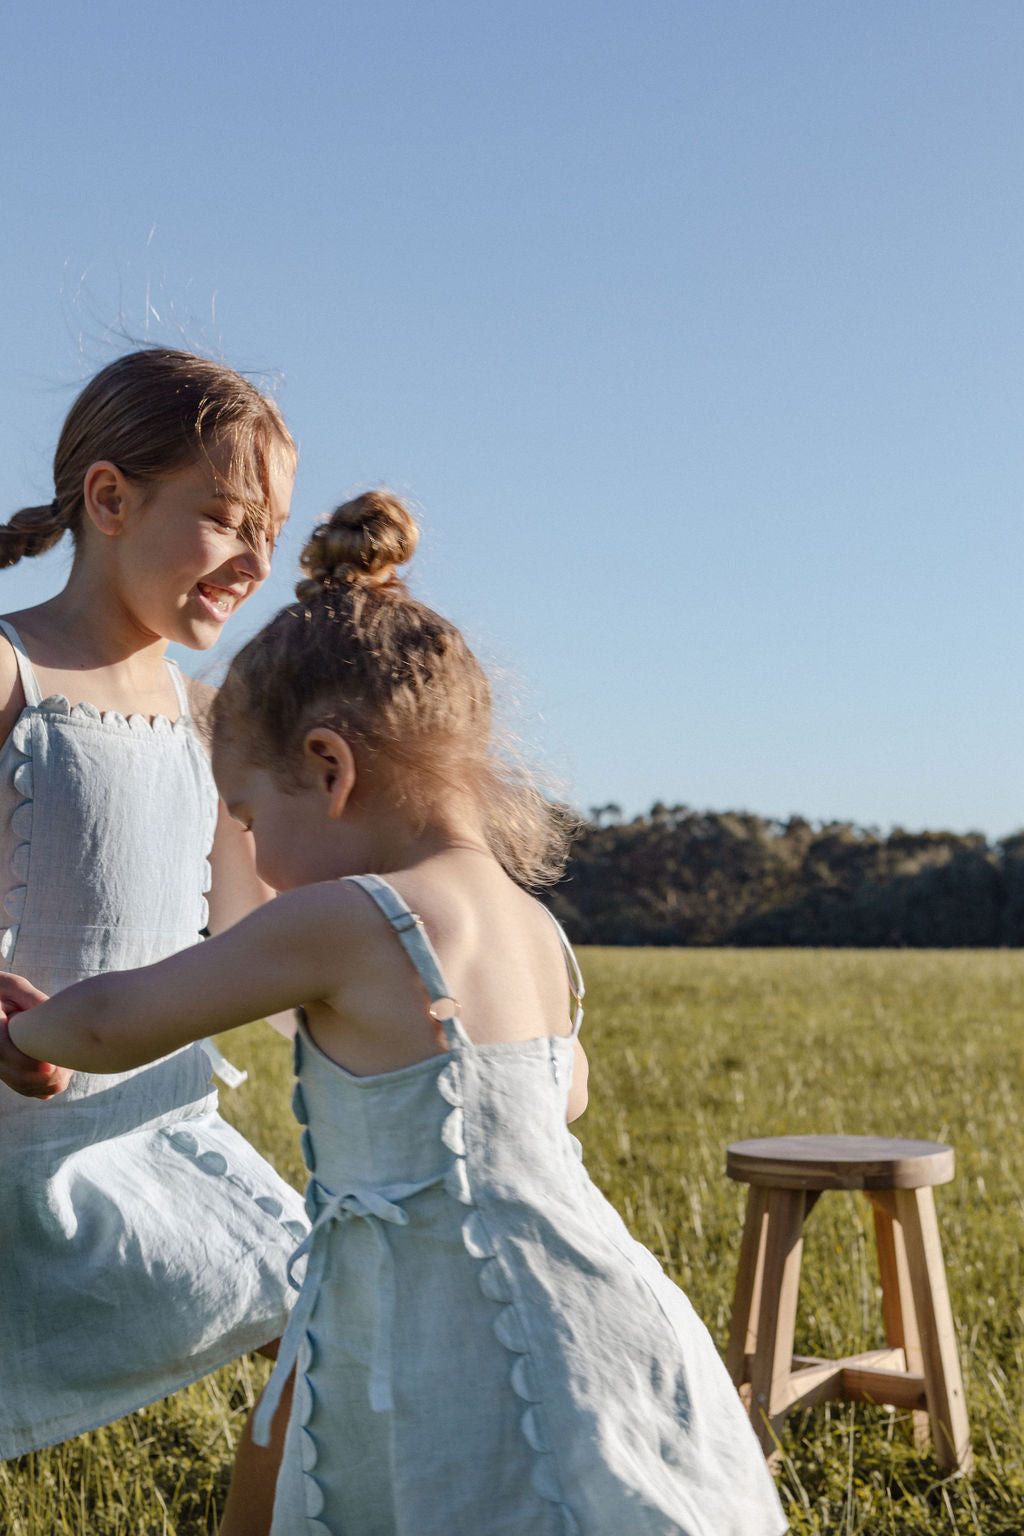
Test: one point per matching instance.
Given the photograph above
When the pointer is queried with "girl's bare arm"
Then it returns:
(289, 952)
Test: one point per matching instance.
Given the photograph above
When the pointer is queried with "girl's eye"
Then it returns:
(222, 522)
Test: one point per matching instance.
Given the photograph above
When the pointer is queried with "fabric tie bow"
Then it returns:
(375, 1206)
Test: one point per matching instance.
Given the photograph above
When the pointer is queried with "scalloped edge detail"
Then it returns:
(160, 725)
(535, 1429)
(492, 1283)
(452, 1133)
(449, 1084)
(313, 1495)
(523, 1380)
(205, 882)
(309, 1449)
(509, 1330)
(23, 782)
(21, 732)
(299, 1109)
(507, 1326)
(456, 1182)
(209, 1162)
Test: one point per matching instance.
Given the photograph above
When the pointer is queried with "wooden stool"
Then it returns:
(919, 1369)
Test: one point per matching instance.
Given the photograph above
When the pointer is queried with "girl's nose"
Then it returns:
(255, 562)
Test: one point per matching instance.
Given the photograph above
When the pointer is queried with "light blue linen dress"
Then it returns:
(142, 1241)
(482, 1348)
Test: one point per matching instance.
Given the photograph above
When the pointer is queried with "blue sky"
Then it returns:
(694, 330)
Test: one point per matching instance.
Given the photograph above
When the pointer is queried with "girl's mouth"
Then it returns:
(219, 603)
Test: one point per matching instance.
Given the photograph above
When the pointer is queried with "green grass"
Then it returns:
(691, 1049)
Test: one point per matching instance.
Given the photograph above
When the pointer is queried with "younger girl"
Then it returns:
(144, 1241)
(480, 1346)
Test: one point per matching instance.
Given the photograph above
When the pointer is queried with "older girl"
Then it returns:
(144, 1241)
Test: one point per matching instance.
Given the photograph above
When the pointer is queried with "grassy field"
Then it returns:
(689, 1050)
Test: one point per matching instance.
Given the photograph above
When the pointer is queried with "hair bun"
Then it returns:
(362, 542)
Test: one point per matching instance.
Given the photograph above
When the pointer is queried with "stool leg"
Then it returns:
(747, 1297)
(915, 1212)
(898, 1314)
(772, 1364)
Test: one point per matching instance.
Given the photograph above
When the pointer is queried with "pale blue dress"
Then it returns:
(142, 1241)
(482, 1348)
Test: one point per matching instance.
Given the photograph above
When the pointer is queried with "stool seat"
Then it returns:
(839, 1162)
(919, 1368)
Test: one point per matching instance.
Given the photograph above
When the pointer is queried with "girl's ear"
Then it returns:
(329, 758)
(106, 494)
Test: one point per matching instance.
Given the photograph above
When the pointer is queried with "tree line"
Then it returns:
(679, 876)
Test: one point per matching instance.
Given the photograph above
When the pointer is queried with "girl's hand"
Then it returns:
(34, 1079)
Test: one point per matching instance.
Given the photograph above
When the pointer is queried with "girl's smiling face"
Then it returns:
(182, 563)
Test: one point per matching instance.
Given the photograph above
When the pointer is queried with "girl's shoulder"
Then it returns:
(325, 931)
(332, 910)
(468, 892)
(478, 918)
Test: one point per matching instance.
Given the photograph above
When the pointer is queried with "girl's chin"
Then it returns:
(198, 637)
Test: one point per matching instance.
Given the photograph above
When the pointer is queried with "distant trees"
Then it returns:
(679, 876)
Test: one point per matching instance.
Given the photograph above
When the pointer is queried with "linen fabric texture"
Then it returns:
(144, 1241)
(482, 1349)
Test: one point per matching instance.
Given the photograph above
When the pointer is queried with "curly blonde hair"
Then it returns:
(359, 653)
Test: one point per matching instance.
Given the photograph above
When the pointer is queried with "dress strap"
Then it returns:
(179, 687)
(29, 683)
(413, 938)
(576, 986)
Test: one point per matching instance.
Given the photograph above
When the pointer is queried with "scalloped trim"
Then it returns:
(21, 826)
(215, 1165)
(206, 878)
(22, 815)
(305, 1402)
(508, 1326)
(159, 725)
